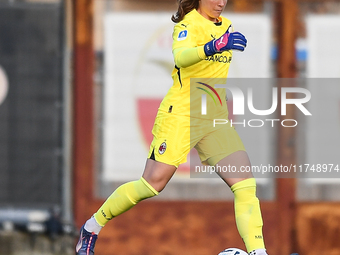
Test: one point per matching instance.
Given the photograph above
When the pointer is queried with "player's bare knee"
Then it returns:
(157, 183)
(158, 174)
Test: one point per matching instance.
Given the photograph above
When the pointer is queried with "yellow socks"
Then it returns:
(248, 214)
(123, 198)
(247, 207)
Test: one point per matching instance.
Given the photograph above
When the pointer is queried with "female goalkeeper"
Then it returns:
(202, 48)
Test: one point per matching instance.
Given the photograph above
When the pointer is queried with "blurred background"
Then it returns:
(80, 84)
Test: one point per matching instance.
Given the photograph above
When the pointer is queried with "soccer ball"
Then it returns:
(233, 251)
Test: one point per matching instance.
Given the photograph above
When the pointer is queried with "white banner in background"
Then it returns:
(3, 85)
(323, 36)
(322, 134)
(138, 66)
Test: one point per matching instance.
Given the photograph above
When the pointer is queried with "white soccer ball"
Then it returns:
(233, 251)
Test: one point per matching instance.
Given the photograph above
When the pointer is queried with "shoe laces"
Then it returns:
(89, 240)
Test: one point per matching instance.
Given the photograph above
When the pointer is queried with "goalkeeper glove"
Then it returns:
(228, 41)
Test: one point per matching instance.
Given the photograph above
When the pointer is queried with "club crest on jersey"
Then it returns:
(162, 148)
(182, 35)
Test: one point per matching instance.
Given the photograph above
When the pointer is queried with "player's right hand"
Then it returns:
(228, 41)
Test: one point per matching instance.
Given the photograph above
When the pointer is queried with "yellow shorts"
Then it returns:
(174, 136)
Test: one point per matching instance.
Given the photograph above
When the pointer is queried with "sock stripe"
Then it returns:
(247, 183)
(149, 186)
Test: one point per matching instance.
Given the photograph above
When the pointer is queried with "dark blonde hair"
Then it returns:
(184, 7)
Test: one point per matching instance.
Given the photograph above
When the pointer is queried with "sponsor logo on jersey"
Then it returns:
(182, 35)
(219, 58)
(162, 148)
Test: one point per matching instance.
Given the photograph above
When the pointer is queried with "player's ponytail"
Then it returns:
(184, 6)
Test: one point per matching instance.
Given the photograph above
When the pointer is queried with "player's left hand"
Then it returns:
(231, 41)
(228, 41)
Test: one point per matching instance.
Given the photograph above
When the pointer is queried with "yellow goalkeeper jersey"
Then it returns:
(184, 98)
